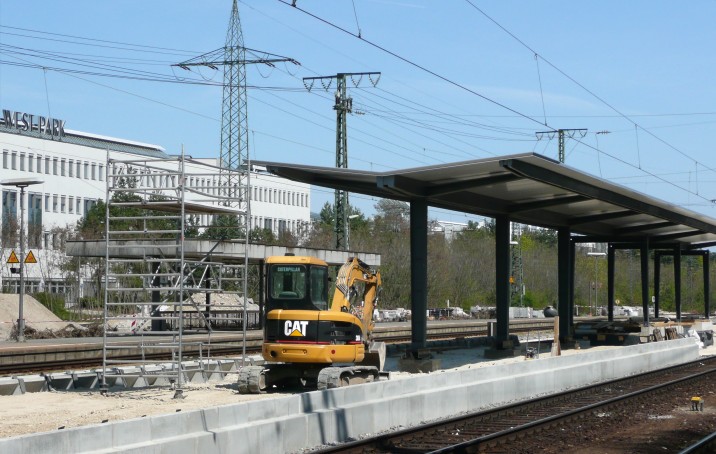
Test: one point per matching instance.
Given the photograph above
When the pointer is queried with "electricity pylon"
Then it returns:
(234, 119)
(343, 106)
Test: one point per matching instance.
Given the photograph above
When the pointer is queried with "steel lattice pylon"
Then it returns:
(234, 120)
(234, 123)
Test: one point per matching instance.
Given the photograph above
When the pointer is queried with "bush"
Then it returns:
(53, 302)
(88, 302)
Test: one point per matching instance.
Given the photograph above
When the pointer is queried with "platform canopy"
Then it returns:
(527, 188)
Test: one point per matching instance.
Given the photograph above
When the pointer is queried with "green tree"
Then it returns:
(223, 227)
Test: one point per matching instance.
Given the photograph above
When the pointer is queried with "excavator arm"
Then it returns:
(357, 291)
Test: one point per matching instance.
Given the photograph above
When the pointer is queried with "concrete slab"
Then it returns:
(85, 380)
(32, 383)
(132, 377)
(155, 375)
(10, 386)
(60, 381)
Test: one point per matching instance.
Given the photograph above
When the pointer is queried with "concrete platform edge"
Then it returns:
(292, 423)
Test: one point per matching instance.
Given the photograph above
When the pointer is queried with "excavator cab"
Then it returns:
(297, 284)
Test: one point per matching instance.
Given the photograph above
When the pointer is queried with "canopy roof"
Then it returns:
(528, 188)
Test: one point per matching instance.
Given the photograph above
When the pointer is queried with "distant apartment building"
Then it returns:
(72, 166)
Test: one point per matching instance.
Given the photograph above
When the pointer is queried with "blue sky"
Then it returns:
(641, 70)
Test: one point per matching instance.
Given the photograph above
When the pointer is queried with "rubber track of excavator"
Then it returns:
(251, 380)
(333, 377)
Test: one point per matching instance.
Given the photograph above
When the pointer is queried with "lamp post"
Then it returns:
(21, 183)
(596, 283)
(348, 229)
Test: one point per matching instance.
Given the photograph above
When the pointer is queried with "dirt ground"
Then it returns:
(47, 411)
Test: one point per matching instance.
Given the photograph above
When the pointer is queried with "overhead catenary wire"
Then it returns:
(464, 88)
(587, 90)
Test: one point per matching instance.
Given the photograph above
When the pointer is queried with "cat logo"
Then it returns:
(295, 328)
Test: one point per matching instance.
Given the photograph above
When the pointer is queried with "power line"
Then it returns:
(597, 97)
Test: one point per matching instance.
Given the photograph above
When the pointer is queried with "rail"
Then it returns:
(495, 429)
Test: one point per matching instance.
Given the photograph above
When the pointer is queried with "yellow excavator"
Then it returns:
(306, 342)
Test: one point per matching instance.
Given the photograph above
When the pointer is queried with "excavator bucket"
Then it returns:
(375, 356)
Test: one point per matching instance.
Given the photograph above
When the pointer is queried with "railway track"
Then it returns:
(496, 430)
(35, 358)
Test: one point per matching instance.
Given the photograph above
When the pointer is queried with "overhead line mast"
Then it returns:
(234, 120)
(343, 106)
(560, 134)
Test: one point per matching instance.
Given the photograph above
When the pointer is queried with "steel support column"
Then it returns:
(262, 297)
(610, 281)
(564, 267)
(644, 252)
(502, 279)
(419, 272)
(707, 284)
(677, 282)
(657, 282)
(572, 261)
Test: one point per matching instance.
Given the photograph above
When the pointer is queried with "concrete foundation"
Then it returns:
(289, 424)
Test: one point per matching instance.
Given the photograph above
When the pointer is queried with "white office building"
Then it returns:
(72, 167)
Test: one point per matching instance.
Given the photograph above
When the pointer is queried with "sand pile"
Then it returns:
(37, 316)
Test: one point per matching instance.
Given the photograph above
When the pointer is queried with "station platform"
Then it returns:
(289, 423)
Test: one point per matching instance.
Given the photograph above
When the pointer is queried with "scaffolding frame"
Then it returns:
(151, 288)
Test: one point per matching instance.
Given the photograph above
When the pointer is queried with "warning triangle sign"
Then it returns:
(30, 258)
(12, 258)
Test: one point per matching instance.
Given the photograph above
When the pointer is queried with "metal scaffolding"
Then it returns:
(152, 290)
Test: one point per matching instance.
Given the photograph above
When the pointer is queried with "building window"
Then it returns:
(70, 168)
(22, 162)
(54, 166)
(89, 203)
(79, 205)
(54, 203)
(62, 167)
(30, 163)
(34, 220)
(78, 174)
(94, 171)
(267, 224)
(63, 206)
(9, 218)
(47, 165)
(86, 171)
(47, 202)
(100, 174)
(39, 164)
(4, 159)
(14, 160)
(71, 204)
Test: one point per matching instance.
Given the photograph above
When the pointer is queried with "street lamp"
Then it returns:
(596, 284)
(21, 183)
(348, 229)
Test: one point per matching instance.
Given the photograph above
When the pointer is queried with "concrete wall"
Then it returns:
(291, 423)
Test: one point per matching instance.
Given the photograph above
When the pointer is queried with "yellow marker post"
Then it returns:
(697, 403)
